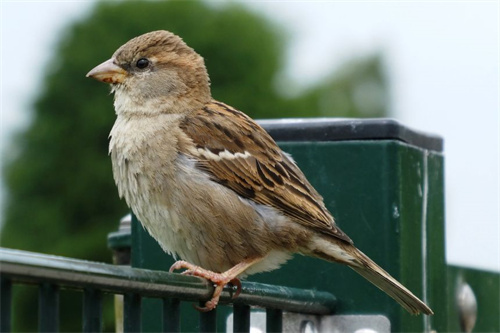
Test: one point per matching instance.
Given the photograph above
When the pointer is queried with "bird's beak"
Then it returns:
(108, 72)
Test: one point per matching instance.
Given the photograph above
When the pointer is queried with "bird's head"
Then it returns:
(159, 68)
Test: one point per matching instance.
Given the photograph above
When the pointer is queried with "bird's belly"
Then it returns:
(166, 227)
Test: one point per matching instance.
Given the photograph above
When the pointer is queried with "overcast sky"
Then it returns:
(443, 64)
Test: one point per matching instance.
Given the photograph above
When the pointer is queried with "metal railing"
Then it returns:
(51, 273)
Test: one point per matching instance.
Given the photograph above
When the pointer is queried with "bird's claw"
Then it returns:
(209, 306)
(219, 279)
(236, 283)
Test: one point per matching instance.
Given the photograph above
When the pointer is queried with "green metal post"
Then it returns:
(92, 310)
(131, 313)
(48, 313)
(5, 304)
(241, 318)
(171, 315)
(208, 320)
(274, 320)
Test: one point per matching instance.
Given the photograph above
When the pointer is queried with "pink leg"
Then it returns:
(219, 279)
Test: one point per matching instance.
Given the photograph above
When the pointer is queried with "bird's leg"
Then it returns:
(219, 279)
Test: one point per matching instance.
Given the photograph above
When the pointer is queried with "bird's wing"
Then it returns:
(237, 153)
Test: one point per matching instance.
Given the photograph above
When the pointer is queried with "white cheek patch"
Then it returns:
(223, 155)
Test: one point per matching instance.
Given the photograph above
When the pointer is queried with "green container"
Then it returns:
(384, 183)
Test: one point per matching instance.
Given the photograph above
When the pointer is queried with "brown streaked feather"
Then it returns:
(242, 156)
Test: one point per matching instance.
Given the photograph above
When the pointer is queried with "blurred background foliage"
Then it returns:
(61, 196)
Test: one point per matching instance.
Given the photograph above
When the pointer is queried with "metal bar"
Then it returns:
(171, 315)
(287, 299)
(132, 313)
(208, 320)
(92, 310)
(241, 318)
(48, 308)
(33, 268)
(274, 320)
(5, 304)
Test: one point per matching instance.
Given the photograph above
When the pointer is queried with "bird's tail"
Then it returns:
(363, 265)
(380, 278)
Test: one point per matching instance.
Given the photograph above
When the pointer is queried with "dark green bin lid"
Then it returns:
(342, 129)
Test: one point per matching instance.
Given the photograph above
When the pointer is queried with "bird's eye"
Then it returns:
(142, 63)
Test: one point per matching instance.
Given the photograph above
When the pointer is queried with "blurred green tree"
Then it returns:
(61, 196)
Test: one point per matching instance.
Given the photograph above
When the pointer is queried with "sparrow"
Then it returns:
(207, 182)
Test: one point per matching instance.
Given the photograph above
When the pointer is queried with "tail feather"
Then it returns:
(384, 281)
(348, 254)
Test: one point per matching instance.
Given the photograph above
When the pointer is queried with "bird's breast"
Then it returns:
(143, 153)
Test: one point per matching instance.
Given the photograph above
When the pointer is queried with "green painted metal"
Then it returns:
(92, 310)
(132, 313)
(48, 307)
(171, 315)
(119, 239)
(5, 304)
(29, 267)
(274, 320)
(56, 272)
(307, 301)
(241, 318)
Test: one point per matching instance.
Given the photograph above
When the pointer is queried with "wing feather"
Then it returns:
(239, 154)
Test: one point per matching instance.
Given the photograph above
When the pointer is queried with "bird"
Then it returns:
(207, 182)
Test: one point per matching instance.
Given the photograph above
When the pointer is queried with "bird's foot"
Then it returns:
(219, 279)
